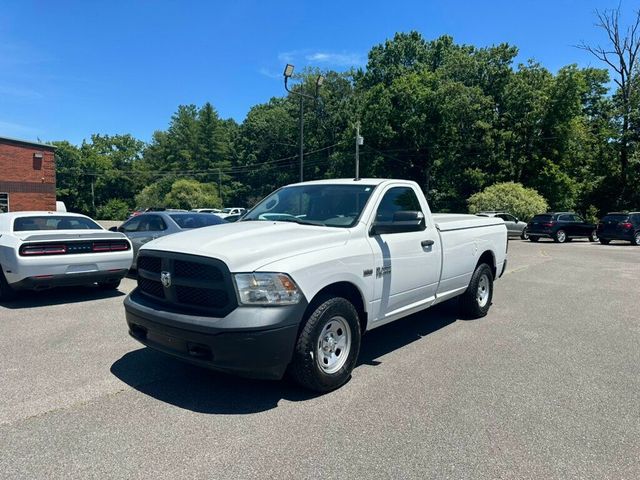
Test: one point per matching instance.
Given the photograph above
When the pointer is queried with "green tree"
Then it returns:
(510, 197)
(190, 194)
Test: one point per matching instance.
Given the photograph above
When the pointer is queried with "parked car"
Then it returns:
(619, 226)
(151, 225)
(561, 227)
(293, 284)
(40, 250)
(206, 210)
(515, 227)
(231, 211)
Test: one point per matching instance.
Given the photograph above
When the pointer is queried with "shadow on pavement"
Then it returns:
(59, 296)
(200, 390)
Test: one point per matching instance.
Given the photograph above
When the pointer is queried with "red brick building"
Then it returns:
(27, 176)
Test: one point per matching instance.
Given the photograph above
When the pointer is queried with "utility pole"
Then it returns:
(301, 127)
(359, 141)
(220, 186)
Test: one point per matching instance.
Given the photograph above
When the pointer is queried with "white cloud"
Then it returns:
(269, 73)
(12, 91)
(11, 129)
(344, 59)
(331, 59)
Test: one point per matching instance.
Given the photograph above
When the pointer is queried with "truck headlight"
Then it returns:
(266, 289)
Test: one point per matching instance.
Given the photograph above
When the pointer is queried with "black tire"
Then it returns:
(534, 239)
(525, 234)
(560, 236)
(473, 303)
(636, 239)
(604, 241)
(6, 292)
(305, 367)
(593, 236)
(109, 285)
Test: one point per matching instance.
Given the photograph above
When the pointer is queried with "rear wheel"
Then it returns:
(525, 234)
(476, 301)
(593, 236)
(328, 345)
(636, 239)
(6, 292)
(113, 285)
(604, 241)
(560, 236)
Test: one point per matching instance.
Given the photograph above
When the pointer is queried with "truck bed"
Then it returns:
(456, 221)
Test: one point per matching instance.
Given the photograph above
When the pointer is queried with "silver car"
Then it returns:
(149, 226)
(515, 227)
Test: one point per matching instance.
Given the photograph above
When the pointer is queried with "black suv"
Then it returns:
(620, 226)
(561, 227)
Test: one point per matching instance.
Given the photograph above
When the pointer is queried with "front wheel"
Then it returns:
(525, 234)
(328, 345)
(593, 236)
(476, 300)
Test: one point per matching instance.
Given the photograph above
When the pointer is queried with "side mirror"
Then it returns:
(403, 221)
(517, 221)
(113, 229)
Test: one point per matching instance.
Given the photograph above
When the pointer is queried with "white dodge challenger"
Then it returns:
(40, 250)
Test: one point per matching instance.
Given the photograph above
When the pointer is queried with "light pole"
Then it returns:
(288, 73)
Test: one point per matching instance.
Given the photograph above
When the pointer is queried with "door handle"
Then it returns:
(427, 243)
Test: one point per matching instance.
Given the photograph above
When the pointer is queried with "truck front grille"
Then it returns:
(188, 283)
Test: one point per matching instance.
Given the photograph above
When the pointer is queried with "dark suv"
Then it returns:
(561, 227)
(620, 226)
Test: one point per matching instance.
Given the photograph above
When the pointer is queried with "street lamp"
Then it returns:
(288, 73)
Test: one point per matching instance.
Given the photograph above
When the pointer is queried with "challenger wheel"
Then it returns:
(328, 345)
(476, 301)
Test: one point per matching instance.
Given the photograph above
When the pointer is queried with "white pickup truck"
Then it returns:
(295, 283)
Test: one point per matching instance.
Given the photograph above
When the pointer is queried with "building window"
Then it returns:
(4, 202)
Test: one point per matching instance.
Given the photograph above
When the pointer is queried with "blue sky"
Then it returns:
(72, 68)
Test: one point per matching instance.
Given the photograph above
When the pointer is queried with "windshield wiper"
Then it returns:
(300, 221)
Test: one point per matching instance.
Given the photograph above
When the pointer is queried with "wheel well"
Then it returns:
(345, 290)
(488, 258)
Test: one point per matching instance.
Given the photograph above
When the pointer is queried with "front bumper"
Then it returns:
(44, 282)
(254, 342)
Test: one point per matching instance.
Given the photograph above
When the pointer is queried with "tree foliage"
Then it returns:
(455, 118)
(510, 197)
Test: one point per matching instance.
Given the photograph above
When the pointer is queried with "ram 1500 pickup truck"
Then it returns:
(294, 284)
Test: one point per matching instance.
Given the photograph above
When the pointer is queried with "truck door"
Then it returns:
(407, 264)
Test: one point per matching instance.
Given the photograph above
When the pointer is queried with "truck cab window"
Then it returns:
(397, 199)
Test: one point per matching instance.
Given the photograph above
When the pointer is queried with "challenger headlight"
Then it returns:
(266, 289)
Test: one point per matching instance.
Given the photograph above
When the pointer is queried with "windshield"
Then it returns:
(196, 220)
(328, 205)
(50, 222)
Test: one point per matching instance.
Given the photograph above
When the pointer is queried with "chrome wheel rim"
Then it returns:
(334, 345)
(561, 236)
(594, 236)
(638, 238)
(525, 234)
(482, 295)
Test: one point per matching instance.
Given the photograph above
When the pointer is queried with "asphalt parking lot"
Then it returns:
(546, 386)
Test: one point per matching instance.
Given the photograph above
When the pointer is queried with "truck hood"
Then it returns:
(246, 246)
